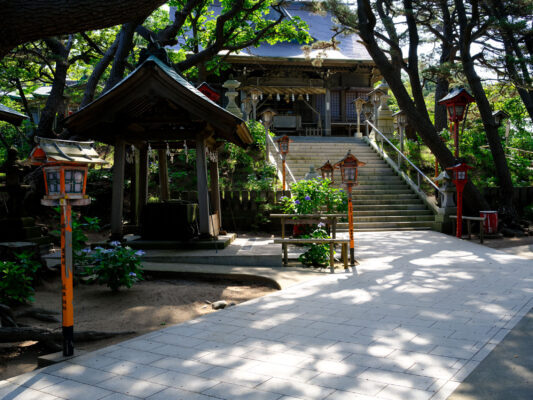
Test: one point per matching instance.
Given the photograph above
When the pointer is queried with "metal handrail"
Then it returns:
(401, 155)
(272, 143)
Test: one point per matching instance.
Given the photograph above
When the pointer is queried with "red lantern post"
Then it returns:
(65, 165)
(283, 144)
(460, 177)
(348, 166)
(456, 103)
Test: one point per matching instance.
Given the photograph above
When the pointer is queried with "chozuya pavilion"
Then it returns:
(154, 107)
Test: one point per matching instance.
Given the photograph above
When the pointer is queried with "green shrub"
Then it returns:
(16, 279)
(318, 254)
(314, 196)
(115, 267)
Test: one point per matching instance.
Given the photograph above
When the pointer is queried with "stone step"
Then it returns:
(388, 225)
(389, 218)
(387, 202)
(380, 192)
(406, 228)
(399, 196)
(391, 207)
(372, 213)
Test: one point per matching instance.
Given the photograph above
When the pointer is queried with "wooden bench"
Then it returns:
(332, 242)
(309, 219)
(469, 225)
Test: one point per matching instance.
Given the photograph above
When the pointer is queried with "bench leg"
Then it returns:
(345, 255)
(285, 254)
(469, 228)
(331, 259)
(481, 231)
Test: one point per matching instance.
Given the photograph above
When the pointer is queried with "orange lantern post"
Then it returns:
(283, 143)
(456, 103)
(65, 165)
(348, 166)
(327, 171)
(460, 177)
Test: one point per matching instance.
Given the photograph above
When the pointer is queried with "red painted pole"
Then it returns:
(456, 138)
(283, 163)
(459, 232)
(350, 225)
(67, 278)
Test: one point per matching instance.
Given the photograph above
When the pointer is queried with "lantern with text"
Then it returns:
(359, 103)
(348, 166)
(456, 103)
(327, 171)
(460, 178)
(283, 143)
(65, 164)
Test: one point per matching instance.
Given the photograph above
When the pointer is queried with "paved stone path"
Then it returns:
(419, 315)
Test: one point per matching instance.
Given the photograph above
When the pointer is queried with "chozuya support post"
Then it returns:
(65, 166)
(67, 291)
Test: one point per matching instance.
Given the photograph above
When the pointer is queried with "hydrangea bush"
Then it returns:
(314, 196)
(116, 267)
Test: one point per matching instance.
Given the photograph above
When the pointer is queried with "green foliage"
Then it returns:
(115, 267)
(318, 254)
(312, 196)
(79, 239)
(16, 279)
(528, 212)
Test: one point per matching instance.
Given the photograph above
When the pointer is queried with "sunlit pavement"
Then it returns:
(419, 314)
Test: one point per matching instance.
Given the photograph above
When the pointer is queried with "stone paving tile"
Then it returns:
(229, 391)
(284, 372)
(178, 394)
(143, 357)
(120, 396)
(131, 386)
(133, 370)
(397, 378)
(392, 392)
(184, 381)
(80, 373)
(239, 377)
(73, 390)
(175, 364)
(15, 392)
(36, 380)
(348, 384)
(295, 389)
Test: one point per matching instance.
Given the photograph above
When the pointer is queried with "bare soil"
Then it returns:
(149, 305)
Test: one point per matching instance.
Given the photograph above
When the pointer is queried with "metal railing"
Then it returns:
(419, 174)
(272, 145)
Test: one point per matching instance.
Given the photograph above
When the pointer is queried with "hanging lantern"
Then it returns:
(327, 171)
(348, 166)
(456, 102)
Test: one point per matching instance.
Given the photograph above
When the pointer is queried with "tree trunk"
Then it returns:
(125, 44)
(55, 99)
(491, 129)
(24, 21)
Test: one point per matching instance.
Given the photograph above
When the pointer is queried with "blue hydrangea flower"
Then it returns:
(133, 274)
(140, 253)
(296, 201)
(87, 250)
(98, 248)
(115, 243)
(307, 198)
(107, 251)
(321, 224)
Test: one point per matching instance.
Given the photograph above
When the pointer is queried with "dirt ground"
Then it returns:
(147, 306)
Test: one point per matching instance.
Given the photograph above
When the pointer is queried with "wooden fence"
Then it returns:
(522, 196)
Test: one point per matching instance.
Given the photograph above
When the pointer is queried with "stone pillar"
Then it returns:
(163, 175)
(143, 179)
(117, 200)
(203, 195)
(385, 122)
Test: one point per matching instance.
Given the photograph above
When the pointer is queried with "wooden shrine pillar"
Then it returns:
(215, 189)
(203, 193)
(163, 175)
(141, 181)
(117, 200)
(327, 121)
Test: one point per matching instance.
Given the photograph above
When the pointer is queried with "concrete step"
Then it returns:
(391, 207)
(389, 218)
(399, 196)
(381, 192)
(389, 225)
(378, 213)
(388, 203)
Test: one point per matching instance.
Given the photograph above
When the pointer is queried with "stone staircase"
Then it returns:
(382, 200)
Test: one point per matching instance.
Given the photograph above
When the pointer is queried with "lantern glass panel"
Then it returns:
(53, 181)
(74, 181)
(349, 174)
(459, 110)
(461, 175)
(284, 146)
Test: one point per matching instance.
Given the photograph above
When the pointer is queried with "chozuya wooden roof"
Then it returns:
(55, 150)
(9, 115)
(154, 103)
